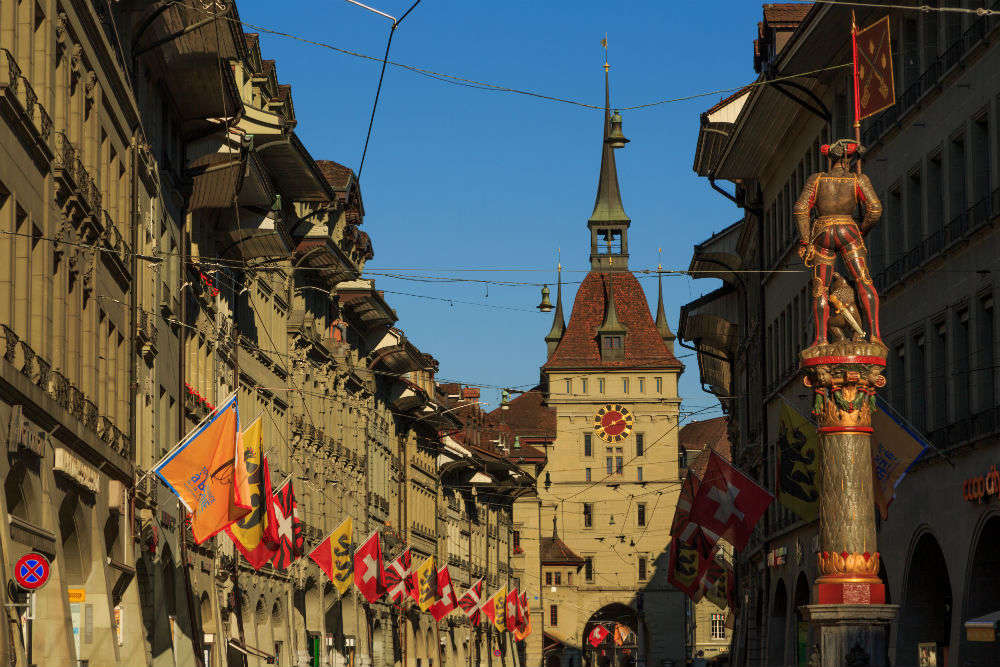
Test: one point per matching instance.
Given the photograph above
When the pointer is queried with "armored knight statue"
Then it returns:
(825, 215)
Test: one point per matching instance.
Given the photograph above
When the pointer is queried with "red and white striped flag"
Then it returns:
(469, 602)
(395, 577)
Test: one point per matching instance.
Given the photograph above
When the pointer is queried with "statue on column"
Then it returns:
(843, 367)
(834, 196)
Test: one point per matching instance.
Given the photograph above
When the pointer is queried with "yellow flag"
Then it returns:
(798, 461)
(499, 603)
(248, 535)
(427, 583)
(341, 560)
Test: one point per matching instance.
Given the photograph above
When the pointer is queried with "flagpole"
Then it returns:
(857, 97)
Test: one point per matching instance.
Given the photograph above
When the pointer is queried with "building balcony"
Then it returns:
(941, 242)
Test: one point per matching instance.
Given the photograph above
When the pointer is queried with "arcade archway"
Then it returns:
(983, 595)
(611, 653)
(776, 627)
(926, 613)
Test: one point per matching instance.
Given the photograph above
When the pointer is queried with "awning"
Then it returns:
(365, 305)
(982, 629)
(325, 261)
(217, 177)
(405, 396)
(712, 330)
(395, 354)
(245, 649)
(188, 44)
(716, 126)
(255, 235)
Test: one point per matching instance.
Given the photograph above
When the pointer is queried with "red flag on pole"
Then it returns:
(598, 635)
(728, 502)
(368, 568)
(874, 88)
(445, 595)
(395, 577)
(469, 602)
(513, 612)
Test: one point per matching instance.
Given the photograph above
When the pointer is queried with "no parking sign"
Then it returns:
(31, 572)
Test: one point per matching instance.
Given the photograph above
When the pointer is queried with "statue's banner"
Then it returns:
(798, 461)
(896, 445)
(873, 86)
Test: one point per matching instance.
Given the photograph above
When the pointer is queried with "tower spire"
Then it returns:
(661, 315)
(608, 202)
(558, 322)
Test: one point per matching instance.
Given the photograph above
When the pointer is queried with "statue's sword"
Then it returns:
(842, 309)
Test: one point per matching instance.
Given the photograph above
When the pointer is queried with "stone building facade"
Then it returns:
(169, 240)
(930, 158)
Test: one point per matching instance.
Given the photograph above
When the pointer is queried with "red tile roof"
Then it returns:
(644, 348)
(336, 174)
(555, 552)
(700, 438)
(786, 12)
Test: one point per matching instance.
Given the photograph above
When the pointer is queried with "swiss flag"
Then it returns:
(368, 568)
(728, 502)
(522, 612)
(395, 577)
(513, 613)
(682, 512)
(469, 602)
(445, 595)
(598, 635)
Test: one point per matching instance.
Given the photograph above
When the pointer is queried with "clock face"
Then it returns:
(613, 423)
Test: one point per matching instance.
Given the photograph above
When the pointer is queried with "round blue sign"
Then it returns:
(31, 572)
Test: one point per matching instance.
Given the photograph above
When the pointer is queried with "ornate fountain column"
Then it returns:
(843, 367)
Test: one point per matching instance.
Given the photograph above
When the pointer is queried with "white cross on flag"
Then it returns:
(445, 595)
(728, 502)
(395, 577)
(368, 566)
(469, 602)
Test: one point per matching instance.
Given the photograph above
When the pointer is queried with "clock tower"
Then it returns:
(612, 474)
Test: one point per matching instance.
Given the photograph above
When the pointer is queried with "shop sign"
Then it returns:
(119, 630)
(77, 595)
(979, 489)
(77, 469)
(22, 433)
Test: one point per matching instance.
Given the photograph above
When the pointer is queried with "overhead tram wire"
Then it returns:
(484, 85)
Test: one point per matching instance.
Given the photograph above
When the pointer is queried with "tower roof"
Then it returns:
(644, 346)
(558, 321)
(661, 315)
(608, 202)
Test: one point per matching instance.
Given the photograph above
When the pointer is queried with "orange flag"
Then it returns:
(207, 471)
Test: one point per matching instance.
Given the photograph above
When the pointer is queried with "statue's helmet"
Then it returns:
(843, 148)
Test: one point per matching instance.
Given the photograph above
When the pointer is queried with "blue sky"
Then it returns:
(462, 178)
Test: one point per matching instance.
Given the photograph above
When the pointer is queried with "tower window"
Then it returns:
(613, 342)
(600, 385)
(588, 568)
(553, 615)
(588, 447)
(641, 514)
(583, 385)
(625, 385)
(659, 385)
(642, 385)
(588, 515)
(642, 568)
(569, 386)
(610, 241)
(640, 444)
